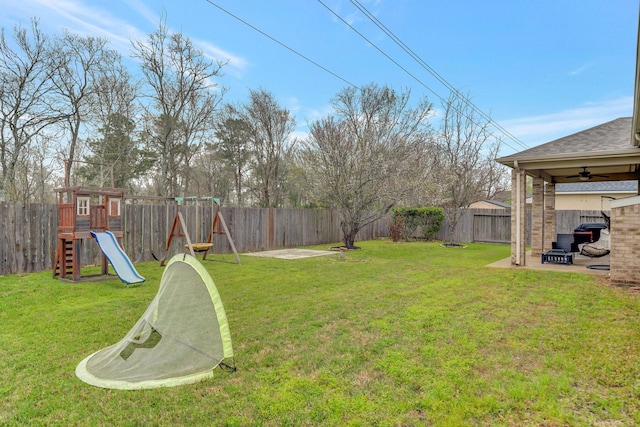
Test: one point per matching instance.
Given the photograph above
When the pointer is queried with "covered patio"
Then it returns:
(608, 152)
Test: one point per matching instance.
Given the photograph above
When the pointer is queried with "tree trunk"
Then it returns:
(452, 231)
(349, 232)
(453, 223)
(239, 186)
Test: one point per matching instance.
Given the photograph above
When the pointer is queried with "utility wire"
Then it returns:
(380, 50)
(433, 72)
(281, 44)
(335, 74)
(466, 100)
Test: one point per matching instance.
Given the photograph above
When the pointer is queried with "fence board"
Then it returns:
(28, 231)
(492, 228)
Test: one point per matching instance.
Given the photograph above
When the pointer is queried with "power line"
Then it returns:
(372, 44)
(380, 50)
(466, 100)
(281, 44)
(433, 72)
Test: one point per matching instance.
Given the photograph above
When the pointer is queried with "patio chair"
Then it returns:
(566, 243)
(562, 250)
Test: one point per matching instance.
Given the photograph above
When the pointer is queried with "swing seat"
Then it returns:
(200, 247)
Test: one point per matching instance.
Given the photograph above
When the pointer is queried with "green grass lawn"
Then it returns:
(397, 334)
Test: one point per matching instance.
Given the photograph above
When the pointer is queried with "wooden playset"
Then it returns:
(84, 212)
(80, 211)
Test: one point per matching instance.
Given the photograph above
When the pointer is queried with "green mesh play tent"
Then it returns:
(181, 338)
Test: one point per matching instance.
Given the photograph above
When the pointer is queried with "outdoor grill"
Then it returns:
(588, 232)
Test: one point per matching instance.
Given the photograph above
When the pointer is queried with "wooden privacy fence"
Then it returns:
(28, 231)
(482, 225)
(494, 225)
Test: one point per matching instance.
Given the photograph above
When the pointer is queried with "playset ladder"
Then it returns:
(67, 261)
(63, 266)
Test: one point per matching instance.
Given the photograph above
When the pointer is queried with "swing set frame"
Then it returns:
(218, 227)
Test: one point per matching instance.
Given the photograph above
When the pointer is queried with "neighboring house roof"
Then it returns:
(598, 187)
(502, 196)
(495, 203)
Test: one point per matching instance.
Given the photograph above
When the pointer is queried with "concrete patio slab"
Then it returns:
(580, 263)
(291, 253)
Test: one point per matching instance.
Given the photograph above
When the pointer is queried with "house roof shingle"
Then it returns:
(610, 136)
(598, 187)
(604, 151)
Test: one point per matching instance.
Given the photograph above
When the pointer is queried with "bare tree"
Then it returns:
(181, 90)
(210, 178)
(117, 154)
(466, 152)
(33, 181)
(80, 64)
(497, 176)
(233, 136)
(360, 158)
(270, 128)
(26, 98)
(197, 127)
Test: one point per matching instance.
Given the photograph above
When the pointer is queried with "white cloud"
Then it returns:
(77, 17)
(312, 114)
(537, 130)
(143, 11)
(298, 135)
(580, 70)
(236, 64)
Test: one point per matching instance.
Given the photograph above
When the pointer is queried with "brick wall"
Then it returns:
(625, 242)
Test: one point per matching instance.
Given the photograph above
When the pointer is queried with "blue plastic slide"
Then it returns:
(116, 256)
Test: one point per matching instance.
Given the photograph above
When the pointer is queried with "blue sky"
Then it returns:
(542, 69)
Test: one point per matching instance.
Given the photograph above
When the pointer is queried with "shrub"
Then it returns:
(396, 228)
(429, 219)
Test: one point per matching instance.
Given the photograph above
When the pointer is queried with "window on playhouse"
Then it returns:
(114, 207)
(83, 206)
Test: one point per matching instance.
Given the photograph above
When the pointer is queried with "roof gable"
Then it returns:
(610, 136)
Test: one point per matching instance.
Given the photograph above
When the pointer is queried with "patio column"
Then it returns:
(549, 216)
(518, 218)
(537, 217)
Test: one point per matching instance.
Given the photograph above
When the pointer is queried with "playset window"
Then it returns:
(83, 206)
(114, 207)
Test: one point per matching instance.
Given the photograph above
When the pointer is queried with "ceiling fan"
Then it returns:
(585, 175)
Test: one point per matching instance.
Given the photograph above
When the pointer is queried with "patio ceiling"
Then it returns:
(604, 150)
